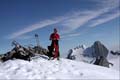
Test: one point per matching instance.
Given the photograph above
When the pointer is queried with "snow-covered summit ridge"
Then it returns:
(41, 68)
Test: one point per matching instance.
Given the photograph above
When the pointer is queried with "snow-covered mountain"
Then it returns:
(85, 54)
(81, 53)
(41, 68)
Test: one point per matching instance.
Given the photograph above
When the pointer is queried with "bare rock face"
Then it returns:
(100, 49)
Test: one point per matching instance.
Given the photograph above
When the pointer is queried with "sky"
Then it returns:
(78, 22)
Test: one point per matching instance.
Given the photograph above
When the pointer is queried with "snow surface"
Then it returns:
(41, 68)
(115, 59)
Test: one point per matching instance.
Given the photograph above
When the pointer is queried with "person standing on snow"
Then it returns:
(55, 37)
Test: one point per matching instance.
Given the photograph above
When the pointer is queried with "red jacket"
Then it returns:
(54, 36)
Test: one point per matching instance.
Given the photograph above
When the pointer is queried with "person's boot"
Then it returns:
(29, 59)
(49, 58)
(58, 58)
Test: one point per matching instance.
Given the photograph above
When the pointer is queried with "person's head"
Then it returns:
(55, 30)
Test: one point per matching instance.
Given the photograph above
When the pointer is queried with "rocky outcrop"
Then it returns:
(20, 52)
(99, 49)
(72, 57)
(96, 50)
(40, 50)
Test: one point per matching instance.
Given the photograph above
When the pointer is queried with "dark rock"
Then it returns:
(20, 52)
(102, 62)
(115, 53)
(100, 49)
(69, 54)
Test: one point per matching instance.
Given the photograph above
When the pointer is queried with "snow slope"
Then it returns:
(115, 59)
(41, 68)
(80, 54)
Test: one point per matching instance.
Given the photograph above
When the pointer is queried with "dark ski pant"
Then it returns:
(55, 48)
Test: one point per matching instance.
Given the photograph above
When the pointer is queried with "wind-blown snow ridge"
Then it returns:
(64, 69)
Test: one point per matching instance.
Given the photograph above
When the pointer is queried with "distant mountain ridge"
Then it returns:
(92, 54)
(79, 53)
(97, 54)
